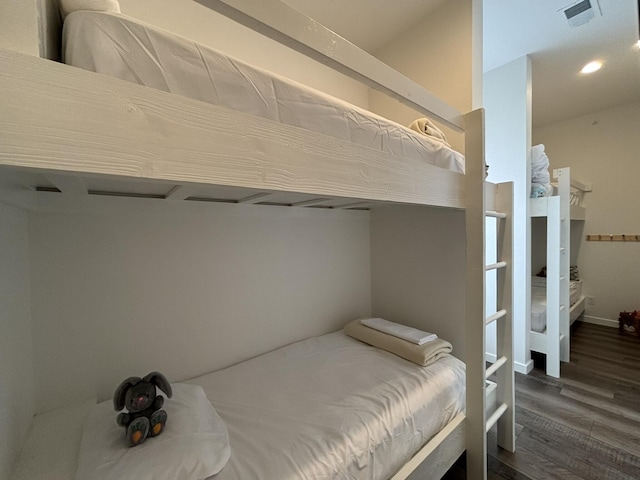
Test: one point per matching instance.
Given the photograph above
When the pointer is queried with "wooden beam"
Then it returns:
(56, 117)
(475, 297)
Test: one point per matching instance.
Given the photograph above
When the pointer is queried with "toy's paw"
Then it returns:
(137, 431)
(158, 420)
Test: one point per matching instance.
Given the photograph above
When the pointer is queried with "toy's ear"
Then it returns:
(121, 391)
(156, 378)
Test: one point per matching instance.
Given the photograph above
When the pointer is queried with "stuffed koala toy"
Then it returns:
(145, 417)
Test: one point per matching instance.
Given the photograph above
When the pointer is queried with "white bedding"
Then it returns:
(325, 407)
(331, 407)
(539, 301)
(125, 48)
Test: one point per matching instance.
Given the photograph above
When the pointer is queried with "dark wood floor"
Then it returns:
(584, 425)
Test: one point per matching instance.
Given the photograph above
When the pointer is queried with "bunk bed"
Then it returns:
(70, 131)
(556, 292)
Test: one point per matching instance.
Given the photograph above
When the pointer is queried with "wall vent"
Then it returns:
(582, 12)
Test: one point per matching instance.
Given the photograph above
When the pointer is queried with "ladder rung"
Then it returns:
(495, 366)
(491, 421)
(495, 316)
(495, 266)
(494, 214)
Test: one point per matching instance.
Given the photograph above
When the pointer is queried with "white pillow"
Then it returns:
(193, 445)
(70, 6)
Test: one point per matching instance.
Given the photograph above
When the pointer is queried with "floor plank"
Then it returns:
(584, 425)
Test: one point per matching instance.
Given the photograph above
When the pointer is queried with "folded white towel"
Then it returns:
(409, 334)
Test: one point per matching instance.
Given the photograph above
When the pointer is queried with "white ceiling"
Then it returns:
(513, 28)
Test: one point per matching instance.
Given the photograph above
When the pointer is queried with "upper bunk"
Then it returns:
(70, 130)
(567, 191)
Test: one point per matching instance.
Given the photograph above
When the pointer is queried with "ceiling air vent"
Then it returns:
(581, 12)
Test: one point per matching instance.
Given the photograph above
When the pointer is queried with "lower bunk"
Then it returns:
(553, 339)
(330, 406)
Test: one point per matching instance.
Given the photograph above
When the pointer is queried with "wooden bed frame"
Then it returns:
(70, 125)
(557, 209)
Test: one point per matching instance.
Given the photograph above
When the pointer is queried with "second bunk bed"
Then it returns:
(65, 129)
(556, 289)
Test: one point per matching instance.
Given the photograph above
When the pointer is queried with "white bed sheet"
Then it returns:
(539, 301)
(326, 407)
(125, 48)
(331, 407)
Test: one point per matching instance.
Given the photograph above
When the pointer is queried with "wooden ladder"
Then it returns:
(487, 403)
(500, 404)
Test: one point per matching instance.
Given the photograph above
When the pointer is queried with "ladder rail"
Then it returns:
(504, 329)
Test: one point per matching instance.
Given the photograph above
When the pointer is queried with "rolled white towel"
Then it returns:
(409, 334)
(428, 128)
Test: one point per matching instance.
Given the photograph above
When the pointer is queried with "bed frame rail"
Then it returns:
(288, 26)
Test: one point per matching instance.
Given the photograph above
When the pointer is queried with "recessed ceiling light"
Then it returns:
(591, 67)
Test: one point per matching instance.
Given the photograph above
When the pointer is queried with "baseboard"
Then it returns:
(607, 322)
(523, 368)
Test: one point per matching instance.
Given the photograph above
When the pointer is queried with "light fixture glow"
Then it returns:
(591, 67)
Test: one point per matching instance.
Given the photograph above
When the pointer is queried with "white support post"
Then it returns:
(563, 176)
(475, 205)
(553, 287)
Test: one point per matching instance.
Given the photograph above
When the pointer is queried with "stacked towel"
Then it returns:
(423, 355)
(409, 334)
(540, 180)
(428, 128)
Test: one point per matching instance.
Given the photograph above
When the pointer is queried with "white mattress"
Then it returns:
(539, 301)
(331, 407)
(125, 48)
(325, 407)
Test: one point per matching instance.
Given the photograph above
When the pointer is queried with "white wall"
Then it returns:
(436, 53)
(603, 148)
(16, 365)
(507, 100)
(19, 26)
(130, 286)
(418, 270)
(192, 20)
